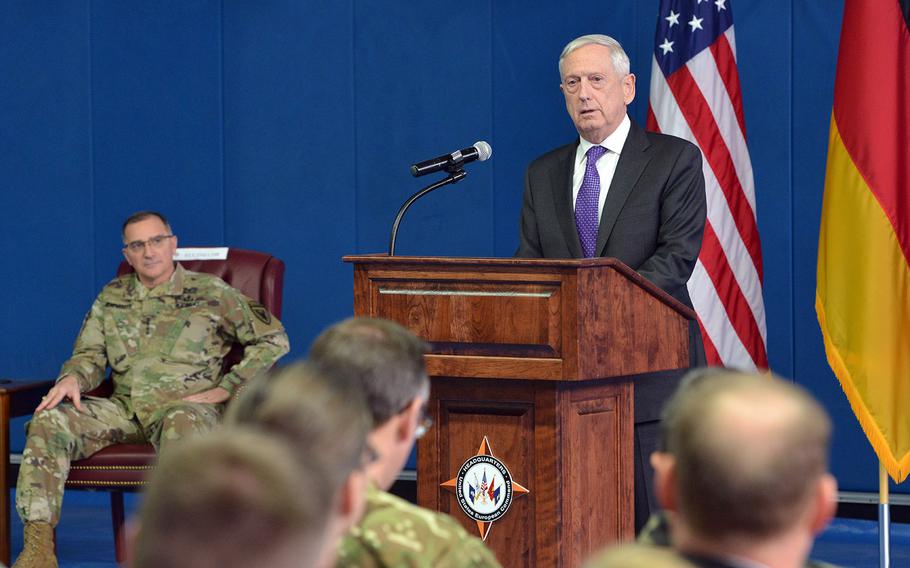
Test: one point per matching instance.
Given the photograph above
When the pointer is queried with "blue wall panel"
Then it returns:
(45, 183)
(289, 161)
(422, 89)
(45, 187)
(766, 79)
(156, 119)
(289, 126)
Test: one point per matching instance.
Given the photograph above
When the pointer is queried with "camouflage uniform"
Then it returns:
(656, 532)
(162, 345)
(393, 532)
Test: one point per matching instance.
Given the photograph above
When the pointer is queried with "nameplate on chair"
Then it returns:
(206, 253)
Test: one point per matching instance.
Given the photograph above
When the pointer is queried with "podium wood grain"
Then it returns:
(536, 355)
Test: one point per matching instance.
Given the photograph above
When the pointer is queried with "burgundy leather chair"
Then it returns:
(123, 467)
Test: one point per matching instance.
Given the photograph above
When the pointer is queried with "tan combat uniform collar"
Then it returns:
(173, 287)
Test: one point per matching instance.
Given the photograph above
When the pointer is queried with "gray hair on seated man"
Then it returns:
(745, 472)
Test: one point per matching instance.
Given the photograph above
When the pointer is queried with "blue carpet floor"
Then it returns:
(85, 539)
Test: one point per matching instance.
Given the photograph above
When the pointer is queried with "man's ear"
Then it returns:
(628, 88)
(824, 503)
(351, 499)
(664, 465)
(407, 422)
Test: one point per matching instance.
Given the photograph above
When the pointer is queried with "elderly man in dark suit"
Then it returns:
(616, 191)
(622, 192)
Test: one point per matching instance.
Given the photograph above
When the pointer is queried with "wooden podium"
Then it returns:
(538, 356)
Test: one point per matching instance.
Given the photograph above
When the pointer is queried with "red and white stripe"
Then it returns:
(701, 103)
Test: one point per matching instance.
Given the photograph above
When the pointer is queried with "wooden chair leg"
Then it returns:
(117, 518)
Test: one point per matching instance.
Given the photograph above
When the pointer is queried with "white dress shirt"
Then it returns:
(606, 165)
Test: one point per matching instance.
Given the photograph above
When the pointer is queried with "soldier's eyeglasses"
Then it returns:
(426, 422)
(370, 455)
(155, 242)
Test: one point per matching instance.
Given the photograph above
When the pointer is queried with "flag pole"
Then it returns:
(884, 519)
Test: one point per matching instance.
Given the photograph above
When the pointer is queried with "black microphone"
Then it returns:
(453, 162)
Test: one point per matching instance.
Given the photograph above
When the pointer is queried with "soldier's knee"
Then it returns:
(53, 420)
(181, 419)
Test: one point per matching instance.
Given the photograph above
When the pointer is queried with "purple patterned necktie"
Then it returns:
(586, 204)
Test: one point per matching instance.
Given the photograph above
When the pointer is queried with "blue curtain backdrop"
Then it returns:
(289, 126)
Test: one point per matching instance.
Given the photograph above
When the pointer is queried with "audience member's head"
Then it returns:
(386, 361)
(233, 498)
(325, 421)
(744, 471)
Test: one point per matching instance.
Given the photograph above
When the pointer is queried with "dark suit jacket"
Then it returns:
(653, 219)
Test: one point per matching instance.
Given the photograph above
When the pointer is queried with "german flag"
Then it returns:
(863, 292)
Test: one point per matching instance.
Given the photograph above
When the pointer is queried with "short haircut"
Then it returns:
(382, 357)
(142, 216)
(618, 56)
(325, 421)
(232, 498)
(749, 450)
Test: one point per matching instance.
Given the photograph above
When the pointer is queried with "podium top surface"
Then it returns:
(526, 263)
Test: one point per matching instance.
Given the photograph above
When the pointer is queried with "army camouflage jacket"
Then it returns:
(169, 342)
(394, 532)
(656, 532)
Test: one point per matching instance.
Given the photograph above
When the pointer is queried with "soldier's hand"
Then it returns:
(211, 396)
(67, 387)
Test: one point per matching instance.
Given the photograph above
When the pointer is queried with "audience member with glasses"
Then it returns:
(386, 361)
(163, 331)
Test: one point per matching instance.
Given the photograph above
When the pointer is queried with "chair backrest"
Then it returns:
(258, 275)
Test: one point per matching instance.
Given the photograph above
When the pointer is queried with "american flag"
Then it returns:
(695, 95)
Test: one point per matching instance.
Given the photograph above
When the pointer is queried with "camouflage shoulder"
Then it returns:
(205, 280)
(118, 288)
(394, 532)
(656, 531)
(637, 554)
(819, 564)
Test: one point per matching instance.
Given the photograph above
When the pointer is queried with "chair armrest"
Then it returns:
(24, 395)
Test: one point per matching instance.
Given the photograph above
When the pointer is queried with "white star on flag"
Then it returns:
(673, 18)
(695, 94)
(667, 46)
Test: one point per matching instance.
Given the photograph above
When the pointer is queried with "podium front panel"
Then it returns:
(537, 357)
(508, 319)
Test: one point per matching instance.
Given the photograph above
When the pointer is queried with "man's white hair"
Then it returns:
(617, 53)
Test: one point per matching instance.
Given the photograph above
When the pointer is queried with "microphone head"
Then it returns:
(484, 151)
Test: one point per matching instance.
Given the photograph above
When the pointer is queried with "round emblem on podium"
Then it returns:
(483, 488)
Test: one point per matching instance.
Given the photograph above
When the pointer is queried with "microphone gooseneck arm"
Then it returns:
(453, 177)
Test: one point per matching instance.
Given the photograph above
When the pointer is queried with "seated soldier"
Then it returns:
(386, 361)
(234, 498)
(164, 332)
(324, 423)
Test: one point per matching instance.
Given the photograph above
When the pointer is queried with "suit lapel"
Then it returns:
(561, 180)
(632, 162)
